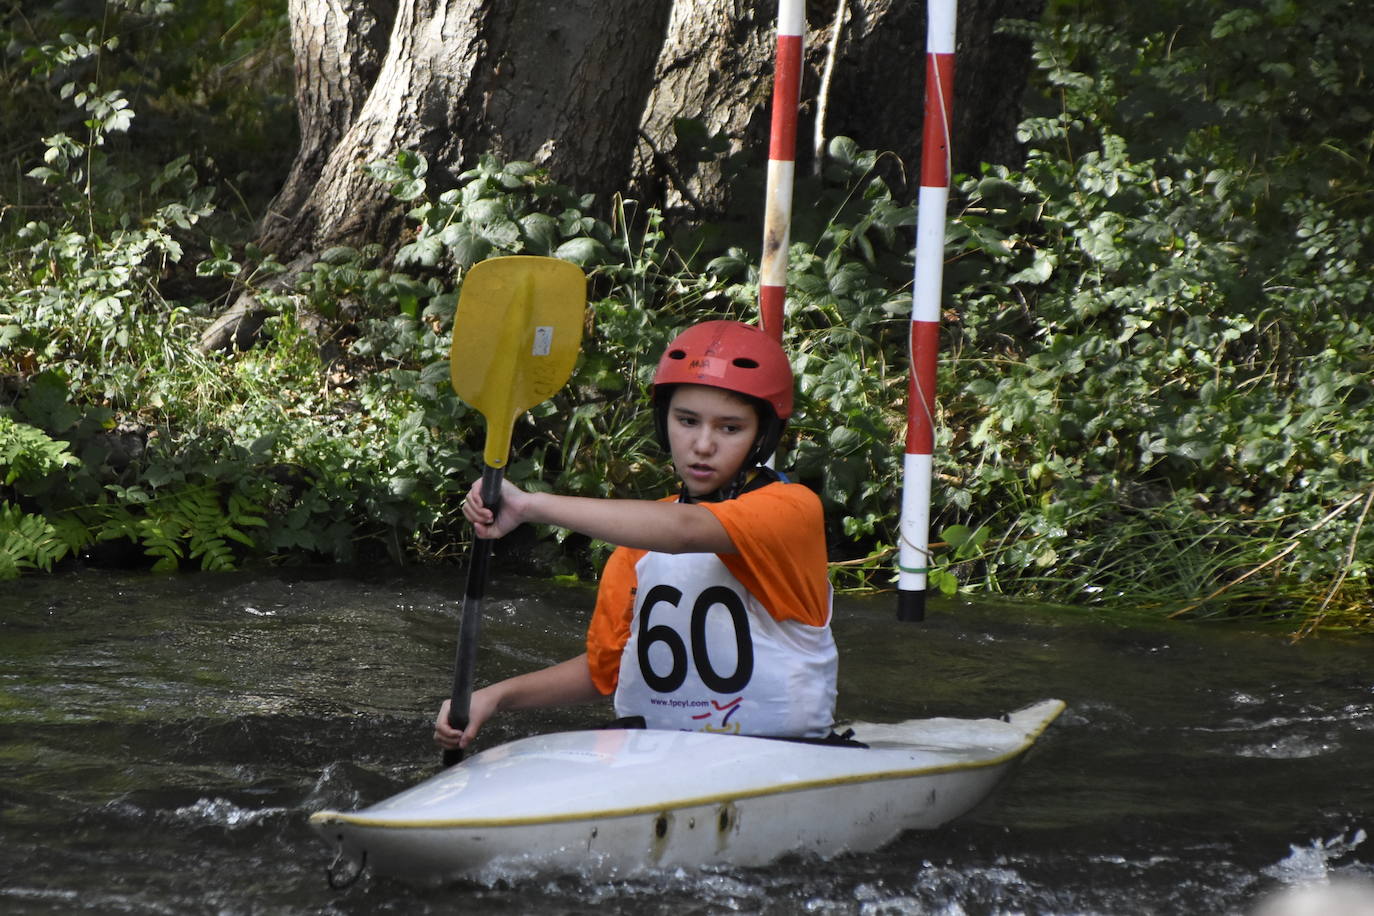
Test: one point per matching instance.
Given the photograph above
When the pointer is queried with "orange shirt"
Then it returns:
(779, 534)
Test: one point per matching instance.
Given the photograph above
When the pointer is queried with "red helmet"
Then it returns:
(732, 355)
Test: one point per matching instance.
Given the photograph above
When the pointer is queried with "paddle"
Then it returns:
(516, 336)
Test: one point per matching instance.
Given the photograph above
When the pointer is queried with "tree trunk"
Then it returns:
(879, 86)
(717, 67)
(592, 90)
(339, 47)
(518, 78)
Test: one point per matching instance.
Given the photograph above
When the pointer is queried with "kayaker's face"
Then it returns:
(710, 433)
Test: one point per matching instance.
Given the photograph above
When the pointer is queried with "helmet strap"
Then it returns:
(746, 481)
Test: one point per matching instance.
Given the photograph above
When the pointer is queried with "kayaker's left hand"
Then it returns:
(480, 708)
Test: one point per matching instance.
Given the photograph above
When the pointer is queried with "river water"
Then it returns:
(163, 741)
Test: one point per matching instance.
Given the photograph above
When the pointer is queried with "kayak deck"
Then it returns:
(612, 802)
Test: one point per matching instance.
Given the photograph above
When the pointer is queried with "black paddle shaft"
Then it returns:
(465, 663)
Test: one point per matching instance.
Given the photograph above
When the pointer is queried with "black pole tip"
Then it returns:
(911, 605)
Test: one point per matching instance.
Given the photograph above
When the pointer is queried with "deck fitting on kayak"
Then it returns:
(662, 837)
(726, 820)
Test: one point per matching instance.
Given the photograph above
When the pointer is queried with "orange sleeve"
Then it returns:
(779, 533)
(610, 627)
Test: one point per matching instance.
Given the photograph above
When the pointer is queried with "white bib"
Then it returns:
(705, 655)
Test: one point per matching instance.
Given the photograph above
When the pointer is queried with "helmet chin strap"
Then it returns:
(753, 472)
(736, 487)
(748, 478)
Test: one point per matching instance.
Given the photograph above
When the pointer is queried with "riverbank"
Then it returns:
(1155, 354)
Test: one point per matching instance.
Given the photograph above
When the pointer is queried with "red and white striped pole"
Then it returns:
(913, 554)
(782, 150)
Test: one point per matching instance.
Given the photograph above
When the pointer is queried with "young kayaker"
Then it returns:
(713, 613)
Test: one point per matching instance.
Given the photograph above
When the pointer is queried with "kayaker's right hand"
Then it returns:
(512, 510)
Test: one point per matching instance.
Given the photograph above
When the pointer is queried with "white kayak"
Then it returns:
(614, 802)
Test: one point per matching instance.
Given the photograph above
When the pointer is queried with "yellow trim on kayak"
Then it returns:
(360, 820)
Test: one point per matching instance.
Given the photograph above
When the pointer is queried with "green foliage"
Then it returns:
(500, 208)
(90, 350)
(192, 523)
(1161, 317)
(26, 542)
(28, 454)
(86, 291)
(81, 69)
(1154, 390)
(27, 457)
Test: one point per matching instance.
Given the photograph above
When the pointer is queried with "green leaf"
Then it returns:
(582, 251)
(465, 246)
(541, 233)
(425, 251)
(956, 535)
(946, 582)
(1040, 270)
(503, 234)
(339, 254)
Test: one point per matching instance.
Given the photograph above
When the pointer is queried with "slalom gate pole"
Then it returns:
(913, 555)
(782, 151)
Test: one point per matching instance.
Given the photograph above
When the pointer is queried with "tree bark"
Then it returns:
(518, 78)
(716, 67)
(592, 90)
(339, 46)
(879, 83)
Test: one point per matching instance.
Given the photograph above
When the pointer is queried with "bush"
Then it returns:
(1153, 392)
(1162, 321)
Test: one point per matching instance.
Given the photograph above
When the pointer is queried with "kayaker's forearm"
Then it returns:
(665, 527)
(559, 685)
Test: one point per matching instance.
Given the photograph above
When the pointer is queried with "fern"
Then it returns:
(161, 540)
(243, 512)
(73, 531)
(188, 524)
(205, 523)
(9, 565)
(28, 453)
(27, 542)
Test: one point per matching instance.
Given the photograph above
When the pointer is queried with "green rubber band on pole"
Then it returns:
(913, 569)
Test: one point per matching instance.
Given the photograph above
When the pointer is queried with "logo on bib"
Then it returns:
(729, 709)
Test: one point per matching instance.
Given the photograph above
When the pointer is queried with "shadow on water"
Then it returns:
(163, 741)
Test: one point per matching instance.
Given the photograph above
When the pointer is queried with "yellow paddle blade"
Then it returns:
(516, 336)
